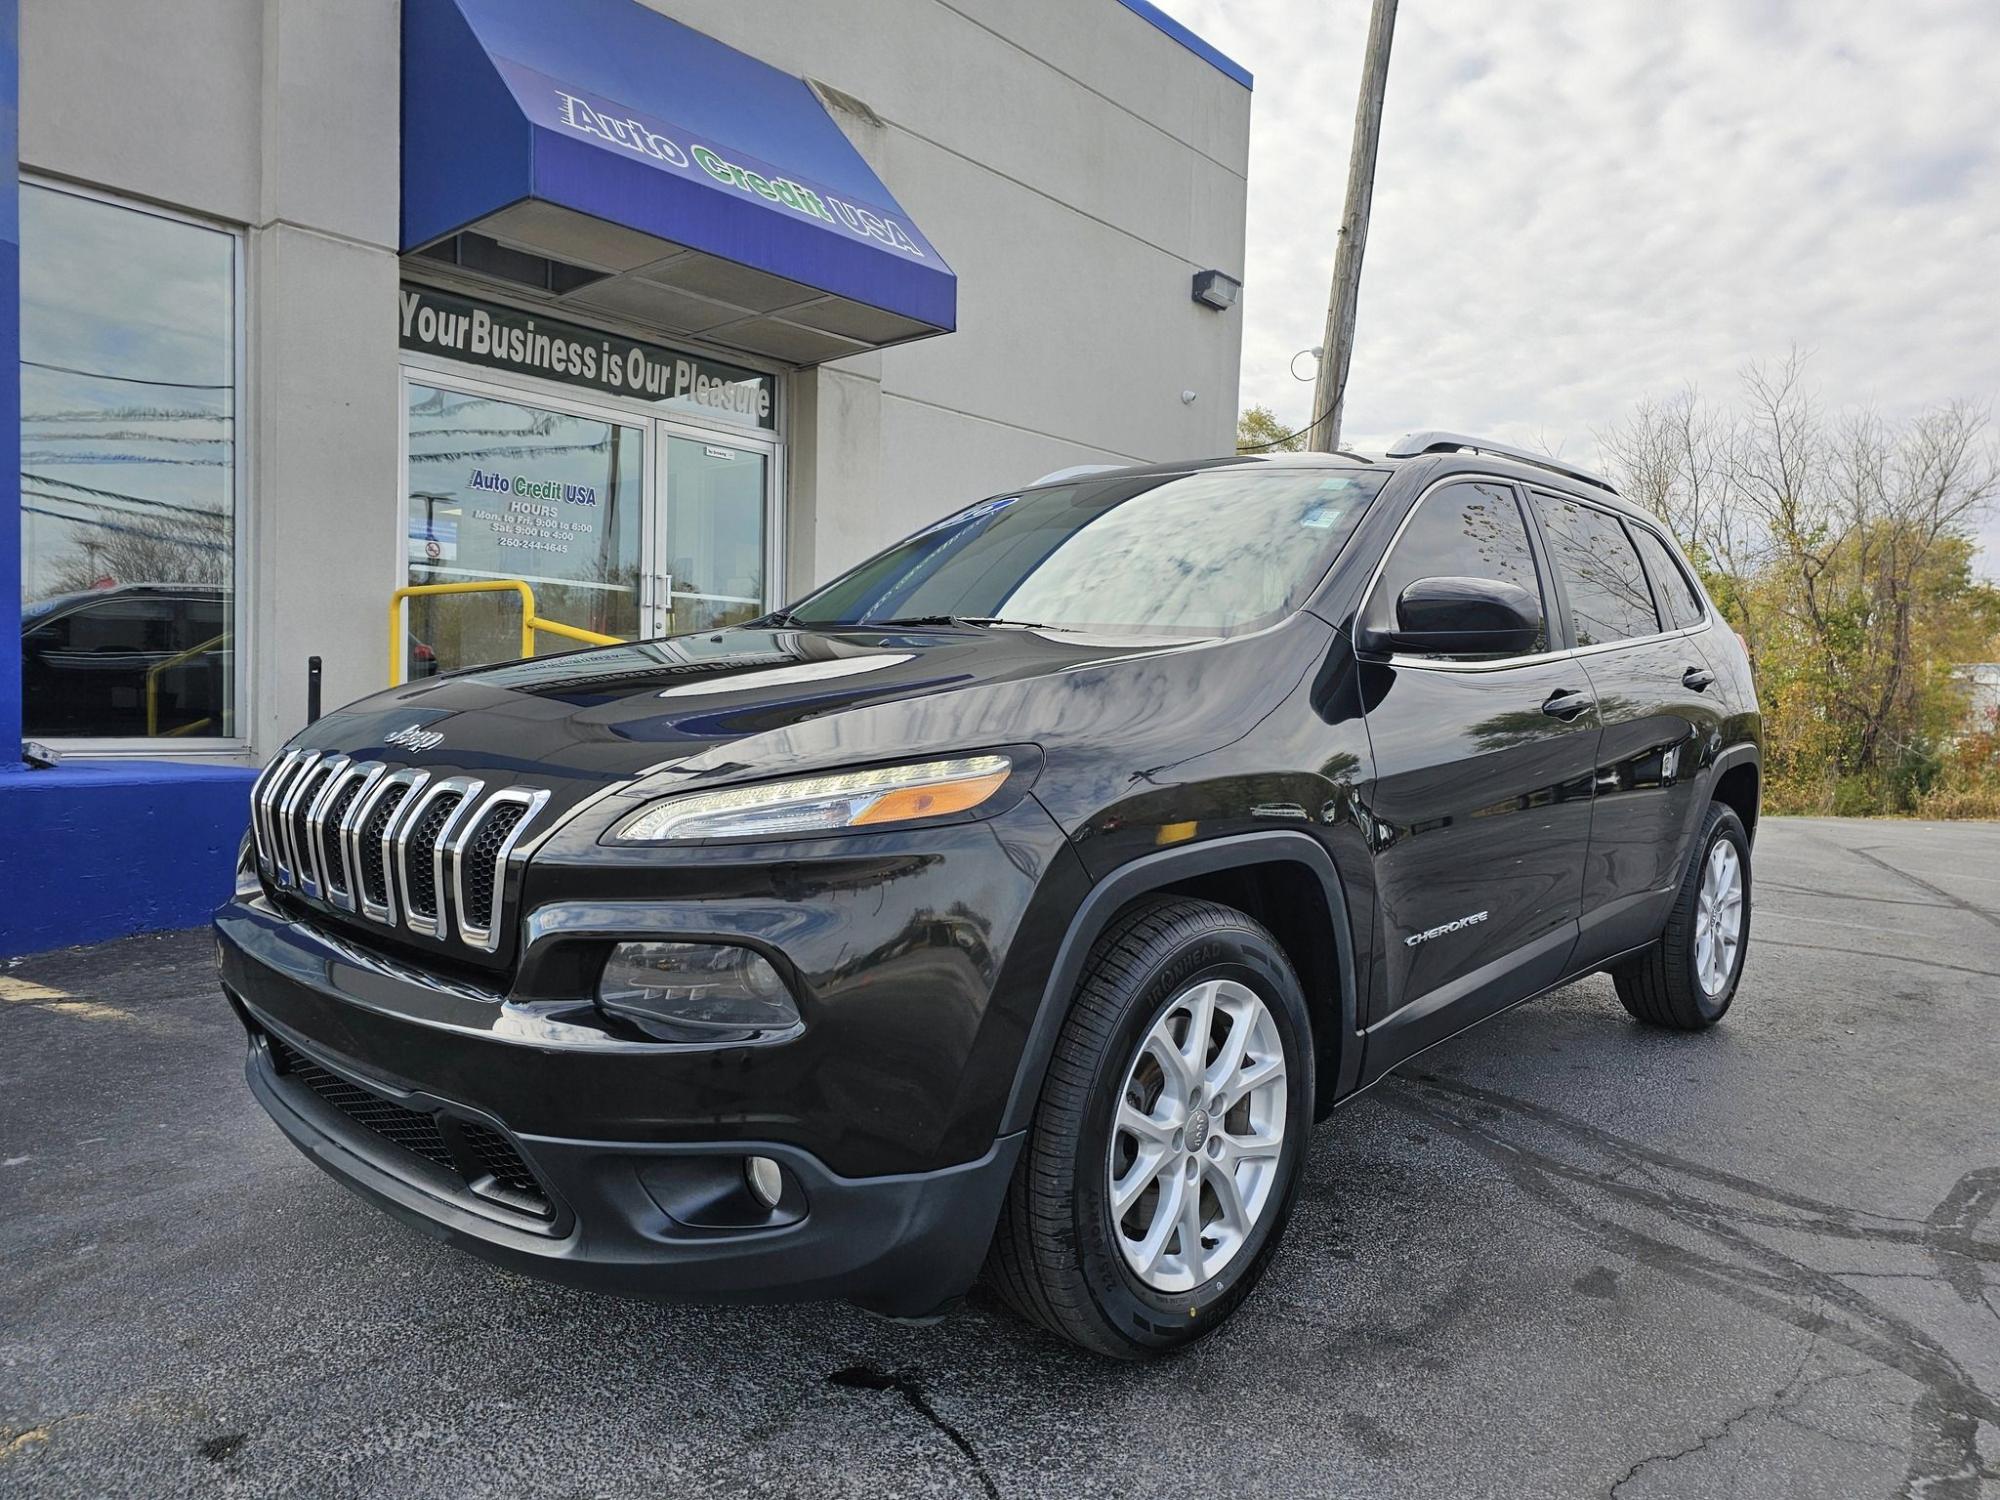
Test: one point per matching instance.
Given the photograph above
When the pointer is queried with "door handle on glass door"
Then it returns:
(1566, 704)
(1697, 678)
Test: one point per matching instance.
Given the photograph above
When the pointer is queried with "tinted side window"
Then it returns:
(1460, 531)
(1678, 595)
(1608, 597)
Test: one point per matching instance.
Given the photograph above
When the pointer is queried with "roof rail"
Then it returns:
(1415, 443)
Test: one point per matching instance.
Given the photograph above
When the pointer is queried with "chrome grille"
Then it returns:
(420, 850)
(394, 846)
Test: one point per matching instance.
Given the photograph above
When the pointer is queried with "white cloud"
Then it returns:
(1579, 205)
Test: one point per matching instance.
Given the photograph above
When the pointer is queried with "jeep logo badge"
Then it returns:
(414, 738)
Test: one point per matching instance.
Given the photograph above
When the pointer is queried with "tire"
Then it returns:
(1664, 986)
(1059, 1258)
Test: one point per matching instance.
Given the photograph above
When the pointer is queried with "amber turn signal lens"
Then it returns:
(932, 801)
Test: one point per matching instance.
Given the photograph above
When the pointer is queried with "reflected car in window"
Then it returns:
(135, 659)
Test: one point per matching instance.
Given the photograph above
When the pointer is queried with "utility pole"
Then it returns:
(1330, 391)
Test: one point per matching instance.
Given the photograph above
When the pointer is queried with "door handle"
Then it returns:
(1697, 678)
(1566, 704)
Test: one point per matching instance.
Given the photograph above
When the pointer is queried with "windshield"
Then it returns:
(1219, 552)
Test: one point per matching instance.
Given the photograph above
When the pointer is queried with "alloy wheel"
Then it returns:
(1196, 1142)
(1718, 919)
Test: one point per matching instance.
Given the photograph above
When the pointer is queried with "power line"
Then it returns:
(179, 385)
(71, 484)
(1279, 442)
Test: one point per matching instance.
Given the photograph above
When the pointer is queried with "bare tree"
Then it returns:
(1839, 543)
(183, 549)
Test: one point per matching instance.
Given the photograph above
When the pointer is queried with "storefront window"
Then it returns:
(128, 471)
(503, 490)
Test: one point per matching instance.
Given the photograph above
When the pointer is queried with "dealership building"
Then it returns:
(641, 317)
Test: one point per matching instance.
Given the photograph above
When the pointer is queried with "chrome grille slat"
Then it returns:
(263, 800)
(395, 846)
(313, 786)
(423, 890)
(282, 825)
(336, 876)
(485, 936)
(375, 848)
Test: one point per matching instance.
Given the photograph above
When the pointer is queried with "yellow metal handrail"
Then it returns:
(530, 621)
(153, 684)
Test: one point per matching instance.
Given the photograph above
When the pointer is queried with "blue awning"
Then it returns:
(671, 179)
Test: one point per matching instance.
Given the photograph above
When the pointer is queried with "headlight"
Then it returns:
(808, 804)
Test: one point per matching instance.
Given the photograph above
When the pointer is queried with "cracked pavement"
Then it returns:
(1560, 1255)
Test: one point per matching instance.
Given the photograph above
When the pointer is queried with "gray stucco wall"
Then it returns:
(1075, 166)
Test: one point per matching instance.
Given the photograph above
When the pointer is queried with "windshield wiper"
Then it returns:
(962, 622)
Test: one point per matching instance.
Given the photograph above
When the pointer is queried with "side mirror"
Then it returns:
(1460, 617)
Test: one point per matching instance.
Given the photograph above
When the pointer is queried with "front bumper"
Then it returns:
(900, 1245)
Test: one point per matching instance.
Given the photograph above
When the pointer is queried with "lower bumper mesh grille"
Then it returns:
(481, 1155)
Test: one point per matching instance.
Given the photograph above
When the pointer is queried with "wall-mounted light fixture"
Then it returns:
(1214, 289)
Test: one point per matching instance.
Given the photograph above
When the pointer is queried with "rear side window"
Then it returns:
(1466, 530)
(1608, 596)
(1678, 595)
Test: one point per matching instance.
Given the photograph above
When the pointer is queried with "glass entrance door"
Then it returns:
(712, 539)
(622, 522)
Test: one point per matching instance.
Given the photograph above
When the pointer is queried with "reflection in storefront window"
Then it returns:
(715, 534)
(502, 490)
(128, 471)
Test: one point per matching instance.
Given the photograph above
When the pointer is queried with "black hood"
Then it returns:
(749, 701)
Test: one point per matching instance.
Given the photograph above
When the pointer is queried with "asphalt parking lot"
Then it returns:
(1563, 1256)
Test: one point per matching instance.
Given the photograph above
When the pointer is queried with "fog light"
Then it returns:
(767, 1182)
(697, 992)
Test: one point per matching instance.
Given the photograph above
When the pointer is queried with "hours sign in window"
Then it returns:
(503, 490)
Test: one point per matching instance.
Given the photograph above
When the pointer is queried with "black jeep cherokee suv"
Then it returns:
(1019, 899)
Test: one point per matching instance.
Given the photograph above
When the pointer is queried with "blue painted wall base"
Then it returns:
(93, 850)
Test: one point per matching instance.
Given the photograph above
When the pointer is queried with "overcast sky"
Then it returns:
(1584, 202)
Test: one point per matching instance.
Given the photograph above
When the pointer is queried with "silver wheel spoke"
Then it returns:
(1222, 1182)
(1236, 1149)
(1193, 1052)
(1260, 1075)
(1230, 1058)
(1127, 1190)
(1191, 1251)
(1146, 1127)
(1145, 1255)
(1161, 1045)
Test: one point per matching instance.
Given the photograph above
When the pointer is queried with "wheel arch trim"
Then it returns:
(1154, 872)
(1743, 753)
